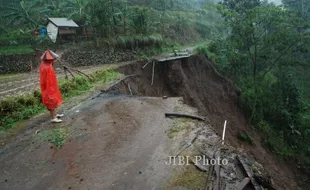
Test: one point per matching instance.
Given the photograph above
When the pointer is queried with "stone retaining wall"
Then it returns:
(77, 57)
(18, 63)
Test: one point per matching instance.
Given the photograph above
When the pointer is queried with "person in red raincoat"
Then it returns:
(51, 96)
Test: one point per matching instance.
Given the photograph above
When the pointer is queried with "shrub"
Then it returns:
(204, 49)
(245, 138)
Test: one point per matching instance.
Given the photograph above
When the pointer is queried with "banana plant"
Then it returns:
(80, 9)
(24, 13)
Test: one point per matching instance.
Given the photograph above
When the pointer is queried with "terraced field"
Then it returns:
(13, 85)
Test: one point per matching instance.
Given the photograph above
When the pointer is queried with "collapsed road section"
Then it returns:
(125, 138)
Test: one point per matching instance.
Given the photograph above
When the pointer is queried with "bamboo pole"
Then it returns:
(224, 130)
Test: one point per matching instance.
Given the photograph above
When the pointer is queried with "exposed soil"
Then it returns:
(116, 142)
(199, 84)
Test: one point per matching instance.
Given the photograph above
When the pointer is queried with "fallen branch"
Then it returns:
(184, 115)
(80, 72)
(69, 72)
(75, 70)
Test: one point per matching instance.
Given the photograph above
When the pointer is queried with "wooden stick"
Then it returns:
(153, 72)
(69, 72)
(75, 70)
(224, 130)
(184, 115)
(82, 73)
(145, 65)
(66, 74)
(130, 89)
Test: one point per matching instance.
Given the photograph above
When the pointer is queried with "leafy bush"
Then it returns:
(143, 58)
(245, 137)
(18, 37)
(204, 49)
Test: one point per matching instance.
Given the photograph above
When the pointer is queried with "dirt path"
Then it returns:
(113, 143)
(28, 83)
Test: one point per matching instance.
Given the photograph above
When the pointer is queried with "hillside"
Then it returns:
(251, 70)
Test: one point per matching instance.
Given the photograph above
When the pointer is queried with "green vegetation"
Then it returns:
(20, 49)
(116, 23)
(264, 48)
(57, 137)
(15, 109)
(180, 125)
(189, 178)
(245, 138)
(267, 54)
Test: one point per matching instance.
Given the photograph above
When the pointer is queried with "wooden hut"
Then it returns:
(61, 29)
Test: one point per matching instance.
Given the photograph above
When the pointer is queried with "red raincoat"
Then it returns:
(51, 96)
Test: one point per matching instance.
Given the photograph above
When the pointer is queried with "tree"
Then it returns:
(79, 9)
(25, 13)
(265, 35)
(140, 19)
(265, 38)
(301, 6)
(105, 15)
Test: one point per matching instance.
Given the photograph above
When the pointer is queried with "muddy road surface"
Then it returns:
(112, 143)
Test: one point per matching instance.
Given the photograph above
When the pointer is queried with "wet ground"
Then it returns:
(111, 143)
(123, 142)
